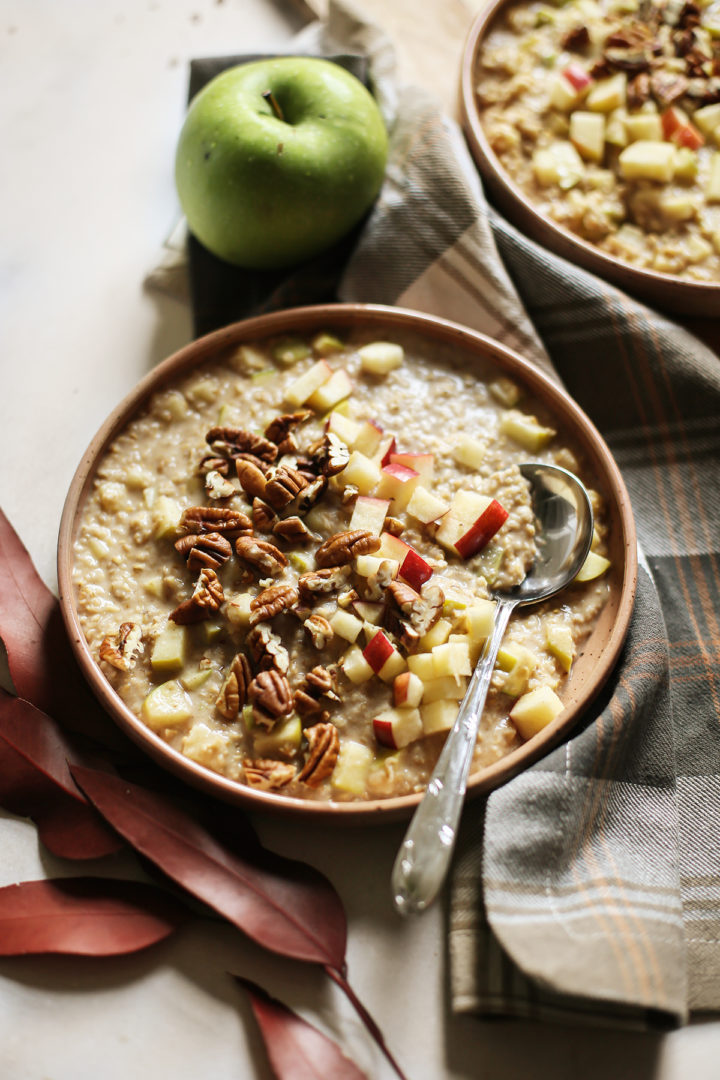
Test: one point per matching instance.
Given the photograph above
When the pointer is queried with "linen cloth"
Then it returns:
(589, 886)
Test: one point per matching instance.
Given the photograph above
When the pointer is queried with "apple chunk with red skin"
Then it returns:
(378, 650)
(397, 483)
(471, 522)
(398, 727)
(412, 567)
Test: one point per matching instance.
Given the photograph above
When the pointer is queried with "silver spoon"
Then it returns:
(565, 528)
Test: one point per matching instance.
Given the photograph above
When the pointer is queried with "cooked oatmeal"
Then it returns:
(606, 113)
(284, 563)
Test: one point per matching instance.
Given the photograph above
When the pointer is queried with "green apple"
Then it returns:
(278, 159)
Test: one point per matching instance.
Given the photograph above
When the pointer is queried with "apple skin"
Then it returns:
(263, 192)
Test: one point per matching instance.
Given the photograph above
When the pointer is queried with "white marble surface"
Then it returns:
(93, 95)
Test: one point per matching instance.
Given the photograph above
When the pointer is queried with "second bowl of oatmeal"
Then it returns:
(275, 559)
(596, 126)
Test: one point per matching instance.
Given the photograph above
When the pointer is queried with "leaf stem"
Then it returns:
(340, 979)
(274, 104)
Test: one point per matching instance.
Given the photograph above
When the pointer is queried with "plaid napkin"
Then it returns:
(589, 886)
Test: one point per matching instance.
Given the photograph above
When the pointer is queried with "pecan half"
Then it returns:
(271, 602)
(403, 596)
(576, 39)
(217, 486)
(271, 697)
(252, 479)
(122, 651)
(278, 429)
(394, 526)
(627, 59)
(205, 601)
(316, 690)
(294, 530)
(260, 555)
(667, 87)
(229, 442)
(320, 582)
(268, 774)
(428, 609)
(267, 650)
(233, 693)
(209, 549)
(215, 519)
(284, 486)
(329, 455)
(323, 748)
(213, 463)
(319, 629)
(343, 547)
(264, 517)
(312, 493)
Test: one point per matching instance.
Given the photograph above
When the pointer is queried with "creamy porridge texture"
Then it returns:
(284, 563)
(606, 113)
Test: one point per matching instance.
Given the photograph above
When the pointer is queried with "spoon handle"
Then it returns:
(424, 856)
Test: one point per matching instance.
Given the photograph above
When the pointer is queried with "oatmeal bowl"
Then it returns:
(596, 127)
(277, 555)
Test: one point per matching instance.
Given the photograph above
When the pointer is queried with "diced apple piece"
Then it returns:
(615, 132)
(356, 666)
(587, 134)
(387, 447)
(558, 164)
(470, 451)
(535, 710)
(563, 94)
(481, 531)
(290, 351)
(415, 570)
(392, 547)
(369, 513)
(167, 705)
(284, 739)
(712, 191)
(466, 507)
(331, 392)
(608, 94)
(164, 514)
(378, 650)
(559, 641)
(397, 483)
(422, 665)
(398, 727)
(193, 680)
(422, 464)
(578, 76)
(526, 430)
(393, 666)
(369, 611)
(360, 471)
(676, 126)
(426, 507)
(169, 649)
(347, 430)
(519, 662)
(368, 438)
(708, 119)
(346, 625)
(408, 689)
(648, 160)
(677, 207)
(505, 391)
(438, 716)
(308, 383)
(445, 688)
(238, 609)
(479, 619)
(644, 126)
(351, 768)
(325, 344)
(380, 357)
(452, 658)
(367, 565)
(436, 635)
(594, 566)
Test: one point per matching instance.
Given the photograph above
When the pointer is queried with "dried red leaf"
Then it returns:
(35, 782)
(41, 662)
(296, 1050)
(283, 905)
(85, 917)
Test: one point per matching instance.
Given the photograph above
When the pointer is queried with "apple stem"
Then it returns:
(273, 102)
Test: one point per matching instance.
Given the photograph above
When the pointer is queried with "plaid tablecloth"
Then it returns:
(590, 885)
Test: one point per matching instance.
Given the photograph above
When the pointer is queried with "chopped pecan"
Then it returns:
(319, 629)
(264, 517)
(260, 555)
(270, 696)
(638, 90)
(252, 479)
(323, 748)
(268, 774)
(316, 582)
(270, 602)
(279, 428)
(627, 59)
(217, 486)
(704, 91)
(234, 691)
(320, 682)
(229, 442)
(209, 549)
(316, 691)
(667, 87)
(405, 601)
(349, 492)
(307, 706)
(394, 526)
(576, 39)
(689, 15)
(294, 530)
(330, 455)
(600, 69)
(343, 547)
(284, 486)
(377, 582)
(122, 651)
(213, 463)
(205, 601)
(428, 609)
(312, 493)
(267, 650)
(403, 596)
(215, 519)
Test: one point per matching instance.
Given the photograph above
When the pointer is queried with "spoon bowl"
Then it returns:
(564, 534)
